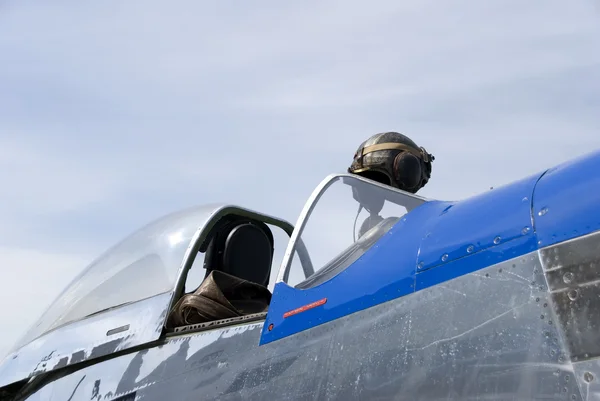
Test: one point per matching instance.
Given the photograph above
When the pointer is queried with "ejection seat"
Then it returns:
(238, 261)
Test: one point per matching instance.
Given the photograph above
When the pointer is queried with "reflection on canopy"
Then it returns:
(347, 215)
(143, 265)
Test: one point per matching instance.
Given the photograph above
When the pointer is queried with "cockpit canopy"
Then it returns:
(145, 264)
(345, 216)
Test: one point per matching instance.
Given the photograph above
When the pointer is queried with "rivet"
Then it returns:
(568, 277)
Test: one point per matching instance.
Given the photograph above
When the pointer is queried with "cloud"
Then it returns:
(115, 113)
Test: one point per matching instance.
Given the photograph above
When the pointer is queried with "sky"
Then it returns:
(113, 113)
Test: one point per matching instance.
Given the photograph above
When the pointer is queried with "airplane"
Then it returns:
(494, 297)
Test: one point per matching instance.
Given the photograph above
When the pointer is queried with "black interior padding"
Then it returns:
(243, 249)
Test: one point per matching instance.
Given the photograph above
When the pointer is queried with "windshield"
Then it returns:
(336, 234)
(143, 265)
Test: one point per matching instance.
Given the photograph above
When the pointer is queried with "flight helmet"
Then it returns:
(393, 159)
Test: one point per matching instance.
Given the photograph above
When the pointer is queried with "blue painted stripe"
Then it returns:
(566, 202)
(483, 221)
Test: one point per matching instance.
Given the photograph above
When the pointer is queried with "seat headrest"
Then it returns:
(248, 254)
(242, 249)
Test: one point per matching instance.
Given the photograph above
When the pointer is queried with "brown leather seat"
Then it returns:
(220, 296)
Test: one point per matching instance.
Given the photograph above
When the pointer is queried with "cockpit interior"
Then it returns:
(238, 257)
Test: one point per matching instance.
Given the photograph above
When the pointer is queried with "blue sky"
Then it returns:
(113, 113)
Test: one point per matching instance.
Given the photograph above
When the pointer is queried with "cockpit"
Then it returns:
(205, 267)
(238, 254)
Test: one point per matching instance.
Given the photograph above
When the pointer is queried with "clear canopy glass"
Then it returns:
(143, 265)
(336, 233)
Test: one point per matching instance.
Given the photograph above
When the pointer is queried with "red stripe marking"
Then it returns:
(305, 308)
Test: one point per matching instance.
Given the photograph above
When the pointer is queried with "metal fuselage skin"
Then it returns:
(496, 297)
